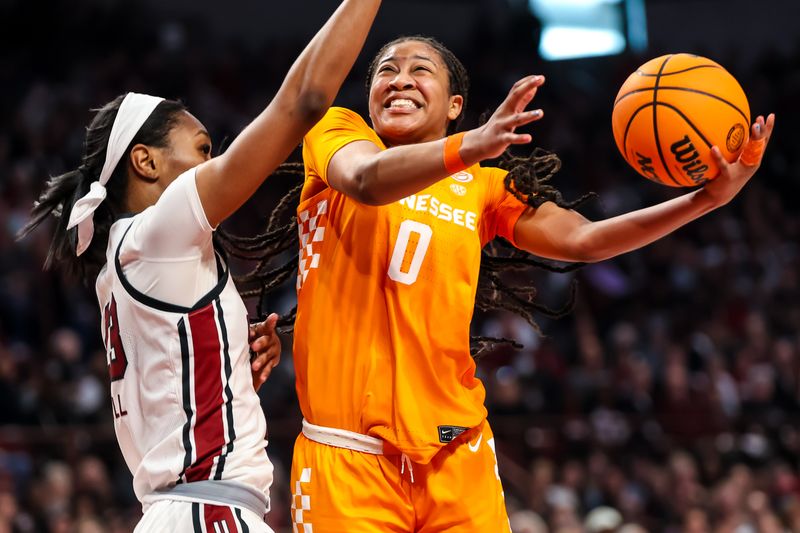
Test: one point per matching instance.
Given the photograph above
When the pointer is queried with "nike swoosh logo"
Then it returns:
(474, 447)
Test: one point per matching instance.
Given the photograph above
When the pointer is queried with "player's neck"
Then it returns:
(404, 141)
(141, 195)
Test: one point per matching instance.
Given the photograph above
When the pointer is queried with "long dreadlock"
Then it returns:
(278, 237)
(528, 179)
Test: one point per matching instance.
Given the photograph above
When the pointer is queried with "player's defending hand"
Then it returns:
(492, 139)
(266, 345)
(734, 176)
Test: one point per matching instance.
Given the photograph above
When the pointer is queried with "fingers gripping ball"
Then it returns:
(671, 111)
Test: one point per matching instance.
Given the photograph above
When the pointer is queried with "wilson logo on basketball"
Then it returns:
(463, 177)
(689, 158)
(735, 138)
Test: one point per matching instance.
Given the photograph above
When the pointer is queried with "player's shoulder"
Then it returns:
(338, 121)
(339, 111)
(489, 170)
(337, 114)
(489, 175)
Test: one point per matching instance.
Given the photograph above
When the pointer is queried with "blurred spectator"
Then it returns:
(603, 520)
(527, 522)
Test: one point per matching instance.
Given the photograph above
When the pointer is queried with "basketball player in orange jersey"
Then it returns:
(392, 220)
(137, 218)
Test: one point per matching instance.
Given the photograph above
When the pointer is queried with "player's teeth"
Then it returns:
(401, 102)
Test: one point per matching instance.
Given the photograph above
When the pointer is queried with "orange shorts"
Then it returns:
(336, 489)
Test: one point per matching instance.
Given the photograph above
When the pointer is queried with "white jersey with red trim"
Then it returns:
(185, 409)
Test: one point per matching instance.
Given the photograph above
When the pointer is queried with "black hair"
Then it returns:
(459, 80)
(61, 192)
(528, 179)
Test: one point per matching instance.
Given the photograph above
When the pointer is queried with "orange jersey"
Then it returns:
(386, 296)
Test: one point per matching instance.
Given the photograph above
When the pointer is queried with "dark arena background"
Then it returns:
(668, 400)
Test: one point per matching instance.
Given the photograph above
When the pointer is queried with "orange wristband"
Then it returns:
(753, 150)
(452, 159)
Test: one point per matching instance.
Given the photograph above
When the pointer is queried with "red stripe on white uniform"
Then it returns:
(219, 519)
(209, 435)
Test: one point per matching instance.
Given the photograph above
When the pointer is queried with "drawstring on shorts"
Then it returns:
(403, 460)
(349, 440)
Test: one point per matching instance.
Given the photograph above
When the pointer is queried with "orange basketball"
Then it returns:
(671, 111)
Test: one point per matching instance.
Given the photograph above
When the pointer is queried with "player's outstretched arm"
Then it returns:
(556, 233)
(373, 176)
(226, 182)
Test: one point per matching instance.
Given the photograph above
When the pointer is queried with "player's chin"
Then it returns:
(400, 129)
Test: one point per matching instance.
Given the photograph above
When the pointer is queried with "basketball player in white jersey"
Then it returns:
(137, 218)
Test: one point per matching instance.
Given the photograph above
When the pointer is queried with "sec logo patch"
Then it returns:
(458, 190)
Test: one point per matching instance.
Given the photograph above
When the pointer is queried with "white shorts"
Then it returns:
(176, 516)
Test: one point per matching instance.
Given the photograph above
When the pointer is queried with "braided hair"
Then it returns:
(528, 179)
(279, 236)
(61, 192)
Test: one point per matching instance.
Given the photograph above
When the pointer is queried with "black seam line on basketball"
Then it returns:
(688, 90)
(689, 122)
(649, 75)
(625, 135)
(628, 126)
(655, 120)
(186, 378)
(228, 394)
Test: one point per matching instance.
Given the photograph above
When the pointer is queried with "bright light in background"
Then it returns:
(569, 42)
(586, 28)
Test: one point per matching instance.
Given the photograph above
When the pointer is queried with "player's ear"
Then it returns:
(455, 106)
(145, 162)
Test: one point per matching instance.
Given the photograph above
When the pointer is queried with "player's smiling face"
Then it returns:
(409, 98)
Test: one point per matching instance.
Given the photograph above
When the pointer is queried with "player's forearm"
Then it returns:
(319, 71)
(393, 174)
(306, 93)
(308, 90)
(604, 239)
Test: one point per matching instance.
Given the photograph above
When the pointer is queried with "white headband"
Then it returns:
(134, 110)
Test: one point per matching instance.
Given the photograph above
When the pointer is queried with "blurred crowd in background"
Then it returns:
(667, 400)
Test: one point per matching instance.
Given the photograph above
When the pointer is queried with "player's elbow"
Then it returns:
(585, 249)
(364, 190)
(359, 181)
(588, 256)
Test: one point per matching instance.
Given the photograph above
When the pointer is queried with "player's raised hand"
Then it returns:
(499, 132)
(266, 345)
(734, 176)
